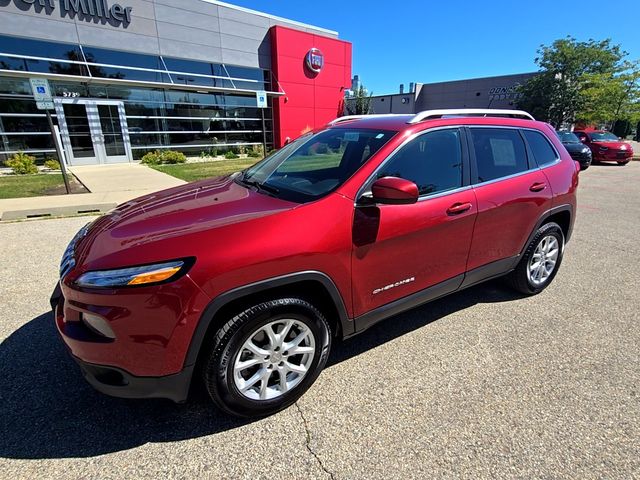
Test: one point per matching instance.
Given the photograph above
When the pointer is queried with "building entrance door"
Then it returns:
(93, 131)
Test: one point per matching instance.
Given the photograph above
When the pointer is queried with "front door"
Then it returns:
(93, 131)
(399, 250)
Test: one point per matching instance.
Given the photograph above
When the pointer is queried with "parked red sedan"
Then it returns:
(606, 147)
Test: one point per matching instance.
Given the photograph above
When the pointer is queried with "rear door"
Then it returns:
(511, 191)
(399, 250)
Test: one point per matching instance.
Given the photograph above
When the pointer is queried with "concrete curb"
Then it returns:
(57, 211)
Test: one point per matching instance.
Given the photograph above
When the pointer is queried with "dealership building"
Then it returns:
(129, 76)
(487, 92)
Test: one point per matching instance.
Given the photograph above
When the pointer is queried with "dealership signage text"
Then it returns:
(85, 9)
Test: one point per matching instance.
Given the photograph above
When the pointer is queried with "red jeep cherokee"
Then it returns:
(247, 279)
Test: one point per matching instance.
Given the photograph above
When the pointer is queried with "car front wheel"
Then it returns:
(263, 359)
(540, 262)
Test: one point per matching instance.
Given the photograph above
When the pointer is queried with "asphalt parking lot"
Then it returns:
(482, 384)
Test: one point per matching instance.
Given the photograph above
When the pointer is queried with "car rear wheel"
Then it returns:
(540, 262)
(263, 359)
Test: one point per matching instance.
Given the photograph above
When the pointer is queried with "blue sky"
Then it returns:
(428, 41)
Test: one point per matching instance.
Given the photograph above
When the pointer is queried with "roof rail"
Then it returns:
(346, 118)
(470, 112)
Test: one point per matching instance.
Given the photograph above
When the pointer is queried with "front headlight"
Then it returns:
(133, 276)
(586, 150)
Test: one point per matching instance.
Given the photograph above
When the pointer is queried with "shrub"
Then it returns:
(22, 164)
(163, 157)
(152, 158)
(230, 155)
(52, 164)
(257, 151)
(171, 157)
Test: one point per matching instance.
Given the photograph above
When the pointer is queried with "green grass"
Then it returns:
(20, 186)
(314, 162)
(198, 171)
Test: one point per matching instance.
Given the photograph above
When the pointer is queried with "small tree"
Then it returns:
(360, 103)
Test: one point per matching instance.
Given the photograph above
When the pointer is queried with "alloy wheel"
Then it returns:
(274, 359)
(544, 260)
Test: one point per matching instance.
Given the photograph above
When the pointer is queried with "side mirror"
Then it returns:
(394, 191)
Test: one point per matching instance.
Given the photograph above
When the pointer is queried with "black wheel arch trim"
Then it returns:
(223, 299)
(544, 217)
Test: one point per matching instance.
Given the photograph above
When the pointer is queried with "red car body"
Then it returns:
(242, 242)
(606, 151)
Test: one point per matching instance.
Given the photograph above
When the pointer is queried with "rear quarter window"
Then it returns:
(543, 152)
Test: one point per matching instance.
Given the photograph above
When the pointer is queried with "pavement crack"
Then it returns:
(308, 443)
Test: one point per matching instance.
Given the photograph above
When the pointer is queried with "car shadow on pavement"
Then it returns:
(490, 292)
(49, 411)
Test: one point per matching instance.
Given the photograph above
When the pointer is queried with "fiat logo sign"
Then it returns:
(315, 60)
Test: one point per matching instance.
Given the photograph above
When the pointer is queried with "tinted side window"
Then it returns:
(499, 152)
(542, 151)
(432, 161)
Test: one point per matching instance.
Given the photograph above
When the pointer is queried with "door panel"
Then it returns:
(112, 135)
(511, 191)
(419, 244)
(402, 249)
(507, 213)
(80, 134)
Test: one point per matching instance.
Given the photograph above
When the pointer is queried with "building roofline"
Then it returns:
(454, 81)
(480, 78)
(272, 17)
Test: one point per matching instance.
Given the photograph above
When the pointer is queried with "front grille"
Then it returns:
(581, 155)
(68, 257)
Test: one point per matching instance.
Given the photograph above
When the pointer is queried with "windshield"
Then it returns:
(315, 164)
(568, 137)
(603, 137)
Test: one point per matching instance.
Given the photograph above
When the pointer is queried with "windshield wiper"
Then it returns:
(259, 186)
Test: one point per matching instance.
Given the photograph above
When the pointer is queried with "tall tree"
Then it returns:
(555, 94)
(612, 96)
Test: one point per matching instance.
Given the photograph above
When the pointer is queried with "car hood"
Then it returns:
(613, 145)
(171, 219)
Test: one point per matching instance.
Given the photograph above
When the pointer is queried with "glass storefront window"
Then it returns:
(186, 120)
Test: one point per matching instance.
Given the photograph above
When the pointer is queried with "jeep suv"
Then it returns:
(243, 282)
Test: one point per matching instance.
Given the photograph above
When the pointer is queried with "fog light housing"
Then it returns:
(98, 325)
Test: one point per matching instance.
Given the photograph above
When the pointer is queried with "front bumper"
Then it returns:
(612, 155)
(119, 383)
(582, 159)
(152, 326)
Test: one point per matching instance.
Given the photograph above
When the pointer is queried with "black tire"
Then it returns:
(218, 366)
(623, 163)
(519, 279)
